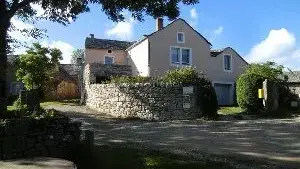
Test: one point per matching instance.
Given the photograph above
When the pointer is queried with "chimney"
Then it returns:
(159, 24)
(92, 36)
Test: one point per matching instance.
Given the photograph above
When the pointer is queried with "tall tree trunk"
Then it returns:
(4, 25)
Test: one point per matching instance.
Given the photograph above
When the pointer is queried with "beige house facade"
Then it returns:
(177, 45)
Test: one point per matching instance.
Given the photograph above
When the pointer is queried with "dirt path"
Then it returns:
(276, 140)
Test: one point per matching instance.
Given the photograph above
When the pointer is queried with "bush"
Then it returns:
(207, 98)
(185, 76)
(247, 91)
(129, 79)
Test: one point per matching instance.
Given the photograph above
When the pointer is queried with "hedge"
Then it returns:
(247, 91)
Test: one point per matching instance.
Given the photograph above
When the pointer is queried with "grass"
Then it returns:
(105, 157)
(230, 110)
(72, 102)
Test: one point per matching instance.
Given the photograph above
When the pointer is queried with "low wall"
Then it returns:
(144, 101)
(23, 138)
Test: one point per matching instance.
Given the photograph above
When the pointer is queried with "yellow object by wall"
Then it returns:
(261, 93)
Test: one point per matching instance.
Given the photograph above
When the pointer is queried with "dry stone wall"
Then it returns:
(144, 101)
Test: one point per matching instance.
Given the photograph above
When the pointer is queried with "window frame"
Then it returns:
(180, 56)
(183, 37)
(224, 67)
(113, 59)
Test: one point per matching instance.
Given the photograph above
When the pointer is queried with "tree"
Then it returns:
(36, 67)
(62, 10)
(268, 70)
(78, 53)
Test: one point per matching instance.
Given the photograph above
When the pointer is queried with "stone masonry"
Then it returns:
(144, 101)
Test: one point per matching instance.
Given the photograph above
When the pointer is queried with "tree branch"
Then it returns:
(18, 5)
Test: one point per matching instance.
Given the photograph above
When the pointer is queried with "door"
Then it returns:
(224, 93)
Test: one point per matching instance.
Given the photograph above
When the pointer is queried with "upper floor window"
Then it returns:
(227, 61)
(186, 55)
(180, 37)
(108, 60)
(109, 51)
(175, 55)
(181, 56)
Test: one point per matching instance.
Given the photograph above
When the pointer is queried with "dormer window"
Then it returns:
(109, 51)
(180, 37)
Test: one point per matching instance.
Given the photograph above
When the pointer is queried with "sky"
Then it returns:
(258, 30)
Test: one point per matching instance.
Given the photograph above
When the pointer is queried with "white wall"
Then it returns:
(138, 59)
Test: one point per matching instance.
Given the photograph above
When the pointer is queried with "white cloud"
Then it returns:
(193, 13)
(20, 25)
(194, 17)
(279, 46)
(64, 47)
(39, 10)
(122, 30)
(216, 32)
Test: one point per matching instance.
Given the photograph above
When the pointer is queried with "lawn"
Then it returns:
(105, 157)
(230, 110)
(44, 104)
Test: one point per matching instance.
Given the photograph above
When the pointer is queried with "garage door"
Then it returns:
(224, 93)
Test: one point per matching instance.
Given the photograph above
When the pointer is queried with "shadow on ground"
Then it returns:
(273, 141)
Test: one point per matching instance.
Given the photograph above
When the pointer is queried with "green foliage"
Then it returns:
(247, 91)
(78, 53)
(37, 66)
(272, 72)
(268, 70)
(185, 75)
(207, 98)
(129, 79)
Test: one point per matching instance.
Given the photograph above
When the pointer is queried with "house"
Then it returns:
(66, 84)
(170, 47)
(294, 81)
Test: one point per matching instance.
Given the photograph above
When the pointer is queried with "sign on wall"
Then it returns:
(186, 101)
(188, 90)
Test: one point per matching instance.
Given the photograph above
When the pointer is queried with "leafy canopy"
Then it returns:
(268, 70)
(77, 53)
(36, 67)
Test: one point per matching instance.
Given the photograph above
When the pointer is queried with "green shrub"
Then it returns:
(207, 98)
(185, 76)
(129, 79)
(247, 91)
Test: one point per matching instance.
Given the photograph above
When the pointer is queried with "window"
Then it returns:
(109, 51)
(175, 55)
(227, 62)
(108, 60)
(186, 54)
(181, 56)
(180, 37)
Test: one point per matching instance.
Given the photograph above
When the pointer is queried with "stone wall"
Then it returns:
(144, 101)
(27, 137)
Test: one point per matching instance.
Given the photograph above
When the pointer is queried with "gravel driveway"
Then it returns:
(276, 140)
